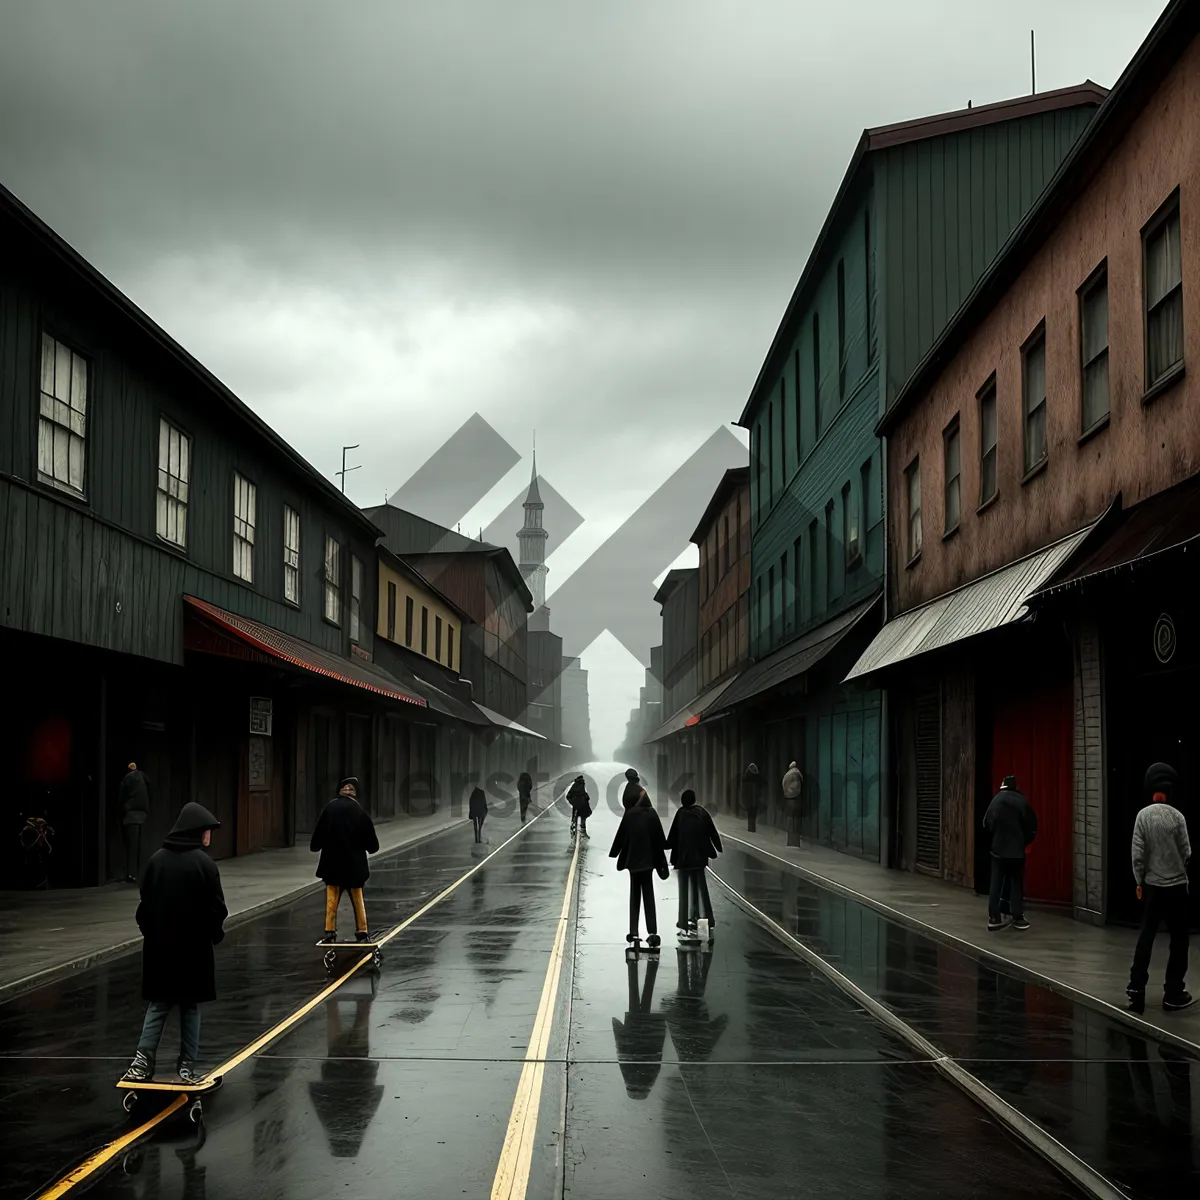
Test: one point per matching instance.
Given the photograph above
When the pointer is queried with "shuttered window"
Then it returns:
(929, 783)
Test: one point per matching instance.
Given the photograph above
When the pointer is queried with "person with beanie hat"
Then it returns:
(344, 836)
(1161, 852)
(693, 840)
(182, 916)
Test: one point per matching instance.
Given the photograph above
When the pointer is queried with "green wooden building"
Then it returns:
(922, 210)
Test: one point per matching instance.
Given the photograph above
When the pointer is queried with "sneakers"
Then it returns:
(995, 926)
(187, 1071)
(1178, 1003)
(654, 941)
(1020, 923)
(362, 936)
(141, 1070)
(1137, 1001)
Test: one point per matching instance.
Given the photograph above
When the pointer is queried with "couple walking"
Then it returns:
(640, 848)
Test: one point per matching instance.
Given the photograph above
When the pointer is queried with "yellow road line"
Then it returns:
(109, 1152)
(516, 1155)
(97, 1160)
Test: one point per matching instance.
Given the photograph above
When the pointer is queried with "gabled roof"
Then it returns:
(674, 579)
(883, 137)
(734, 478)
(1164, 45)
(108, 292)
(403, 567)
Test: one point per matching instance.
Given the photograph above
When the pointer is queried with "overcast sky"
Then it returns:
(373, 220)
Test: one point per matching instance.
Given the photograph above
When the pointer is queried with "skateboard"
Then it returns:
(171, 1085)
(332, 949)
(635, 947)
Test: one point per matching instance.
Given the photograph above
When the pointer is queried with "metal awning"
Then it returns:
(503, 722)
(448, 705)
(794, 659)
(218, 632)
(691, 713)
(1168, 521)
(995, 600)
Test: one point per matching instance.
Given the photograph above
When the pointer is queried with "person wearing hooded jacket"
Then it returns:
(693, 840)
(639, 849)
(182, 916)
(345, 835)
(1160, 853)
(581, 806)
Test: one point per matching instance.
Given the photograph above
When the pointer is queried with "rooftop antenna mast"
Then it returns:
(345, 469)
(1032, 66)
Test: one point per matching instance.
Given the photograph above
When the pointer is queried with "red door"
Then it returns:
(1032, 739)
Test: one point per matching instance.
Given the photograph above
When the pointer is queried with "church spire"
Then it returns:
(532, 540)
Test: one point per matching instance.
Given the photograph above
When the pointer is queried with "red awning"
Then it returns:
(273, 645)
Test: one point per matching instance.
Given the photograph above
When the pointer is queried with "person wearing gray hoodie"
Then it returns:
(1160, 854)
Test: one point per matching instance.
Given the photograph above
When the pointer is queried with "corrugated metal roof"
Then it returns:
(988, 603)
(690, 712)
(794, 659)
(307, 657)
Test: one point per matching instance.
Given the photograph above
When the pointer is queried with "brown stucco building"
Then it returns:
(1037, 539)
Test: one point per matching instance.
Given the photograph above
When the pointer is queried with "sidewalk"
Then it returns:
(48, 935)
(1087, 962)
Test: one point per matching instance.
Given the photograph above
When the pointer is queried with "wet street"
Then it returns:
(508, 1048)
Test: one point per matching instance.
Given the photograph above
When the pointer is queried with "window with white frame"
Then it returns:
(291, 555)
(913, 477)
(1164, 295)
(356, 584)
(333, 577)
(244, 498)
(62, 419)
(174, 470)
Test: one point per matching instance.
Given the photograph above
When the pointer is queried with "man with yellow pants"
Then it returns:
(345, 835)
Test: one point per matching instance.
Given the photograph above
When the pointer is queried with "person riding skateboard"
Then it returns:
(639, 849)
(693, 840)
(345, 835)
(581, 807)
(182, 916)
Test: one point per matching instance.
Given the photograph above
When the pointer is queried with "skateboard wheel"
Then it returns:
(376, 960)
(128, 1101)
(196, 1112)
(329, 960)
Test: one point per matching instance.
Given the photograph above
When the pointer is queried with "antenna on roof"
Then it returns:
(1032, 67)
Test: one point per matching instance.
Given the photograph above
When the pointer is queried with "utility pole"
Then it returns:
(342, 472)
(1032, 66)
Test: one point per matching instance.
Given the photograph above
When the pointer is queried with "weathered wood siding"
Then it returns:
(94, 570)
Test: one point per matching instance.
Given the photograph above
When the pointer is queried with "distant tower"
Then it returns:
(532, 538)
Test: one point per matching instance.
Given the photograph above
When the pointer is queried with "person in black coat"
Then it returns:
(639, 849)
(181, 915)
(477, 810)
(693, 840)
(581, 805)
(134, 796)
(752, 790)
(634, 793)
(524, 792)
(1011, 821)
(345, 835)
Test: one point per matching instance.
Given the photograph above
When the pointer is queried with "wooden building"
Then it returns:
(923, 208)
(1042, 466)
(178, 587)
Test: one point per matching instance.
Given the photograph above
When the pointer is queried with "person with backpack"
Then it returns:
(182, 917)
(345, 835)
(693, 841)
(524, 792)
(639, 848)
(1161, 852)
(581, 806)
(1012, 823)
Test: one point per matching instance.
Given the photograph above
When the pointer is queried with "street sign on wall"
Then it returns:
(260, 715)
